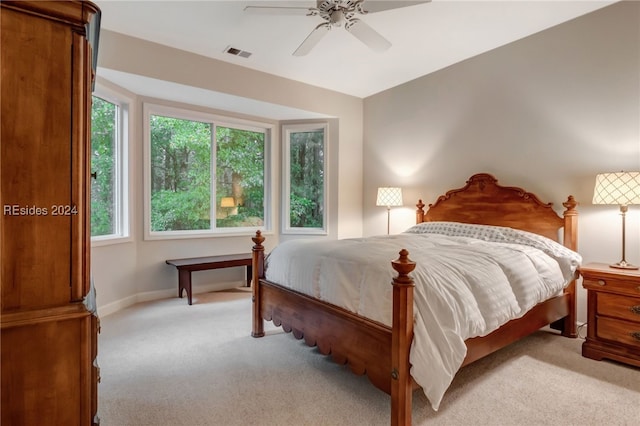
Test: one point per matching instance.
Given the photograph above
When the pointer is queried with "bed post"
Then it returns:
(258, 272)
(401, 337)
(420, 212)
(570, 240)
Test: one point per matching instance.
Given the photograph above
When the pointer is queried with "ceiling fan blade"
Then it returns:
(278, 10)
(372, 6)
(312, 39)
(368, 36)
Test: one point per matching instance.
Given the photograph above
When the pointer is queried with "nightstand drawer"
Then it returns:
(625, 332)
(623, 307)
(613, 313)
(620, 286)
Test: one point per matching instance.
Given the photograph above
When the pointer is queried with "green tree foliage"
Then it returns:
(306, 153)
(181, 188)
(103, 137)
(180, 174)
(240, 174)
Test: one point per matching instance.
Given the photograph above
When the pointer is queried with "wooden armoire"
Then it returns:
(48, 322)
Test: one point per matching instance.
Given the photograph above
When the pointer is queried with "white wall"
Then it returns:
(135, 271)
(546, 113)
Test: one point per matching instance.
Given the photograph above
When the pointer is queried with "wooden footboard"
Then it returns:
(366, 346)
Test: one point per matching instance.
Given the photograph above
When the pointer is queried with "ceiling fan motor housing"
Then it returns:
(328, 6)
(338, 13)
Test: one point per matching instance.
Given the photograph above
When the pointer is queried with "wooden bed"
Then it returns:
(381, 352)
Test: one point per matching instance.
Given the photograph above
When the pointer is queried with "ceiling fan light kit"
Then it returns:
(338, 14)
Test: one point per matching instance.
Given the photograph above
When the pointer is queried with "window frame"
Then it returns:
(122, 166)
(216, 120)
(287, 129)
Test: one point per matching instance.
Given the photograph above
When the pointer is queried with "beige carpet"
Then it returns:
(167, 363)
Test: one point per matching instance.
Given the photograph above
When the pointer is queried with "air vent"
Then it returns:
(237, 52)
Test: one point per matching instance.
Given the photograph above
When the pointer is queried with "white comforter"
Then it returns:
(470, 280)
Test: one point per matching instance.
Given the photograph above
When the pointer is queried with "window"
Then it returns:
(109, 206)
(305, 198)
(207, 174)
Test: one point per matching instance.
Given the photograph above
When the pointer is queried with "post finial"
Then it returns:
(403, 266)
(258, 239)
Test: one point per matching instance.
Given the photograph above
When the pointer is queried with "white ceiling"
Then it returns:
(425, 37)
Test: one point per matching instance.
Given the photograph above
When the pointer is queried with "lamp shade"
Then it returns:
(227, 202)
(389, 197)
(621, 188)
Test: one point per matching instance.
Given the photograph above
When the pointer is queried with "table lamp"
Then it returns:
(227, 203)
(389, 197)
(622, 189)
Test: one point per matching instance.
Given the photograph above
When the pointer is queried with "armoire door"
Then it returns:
(48, 332)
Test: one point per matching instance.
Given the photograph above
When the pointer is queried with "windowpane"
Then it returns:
(239, 177)
(180, 174)
(103, 160)
(306, 179)
(204, 176)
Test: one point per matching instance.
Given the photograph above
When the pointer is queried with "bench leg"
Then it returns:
(249, 275)
(184, 283)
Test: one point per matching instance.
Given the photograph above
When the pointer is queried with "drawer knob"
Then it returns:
(636, 335)
(635, 309)
(602, 282)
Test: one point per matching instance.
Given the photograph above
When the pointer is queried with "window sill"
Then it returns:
(185, 235)
(110, 240)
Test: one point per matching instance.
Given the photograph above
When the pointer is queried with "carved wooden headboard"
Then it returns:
(483, 201)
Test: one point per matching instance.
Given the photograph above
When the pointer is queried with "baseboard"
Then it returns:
(110, 308)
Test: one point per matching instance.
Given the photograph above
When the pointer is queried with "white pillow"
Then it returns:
(568, 259)
(458, 229)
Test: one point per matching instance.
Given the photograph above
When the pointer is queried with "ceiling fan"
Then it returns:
(339, 13)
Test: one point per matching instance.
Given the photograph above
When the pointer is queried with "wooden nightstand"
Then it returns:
(613, 311)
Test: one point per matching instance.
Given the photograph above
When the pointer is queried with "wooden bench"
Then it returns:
(188, 265)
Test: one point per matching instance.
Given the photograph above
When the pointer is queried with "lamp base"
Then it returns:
(623, 265)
